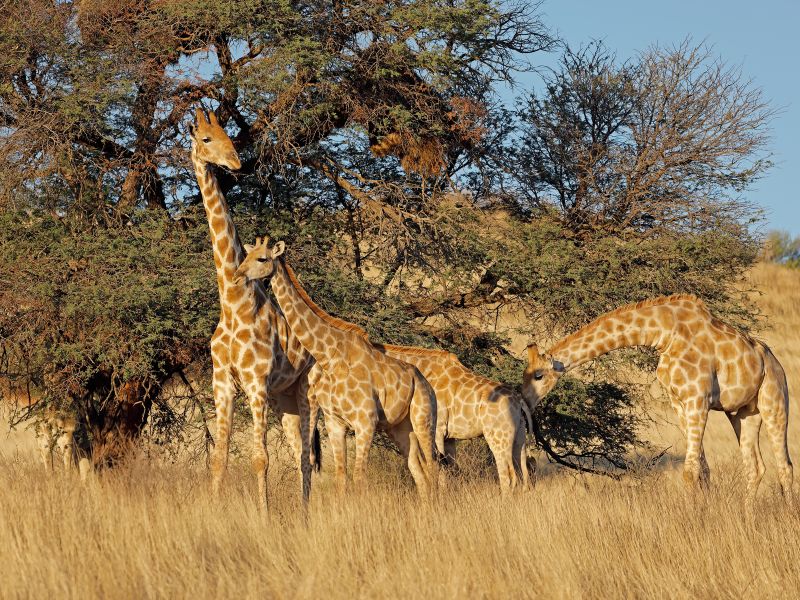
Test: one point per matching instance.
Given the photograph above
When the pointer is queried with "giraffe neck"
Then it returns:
(629, 326)
(320, 333)
(228, 251)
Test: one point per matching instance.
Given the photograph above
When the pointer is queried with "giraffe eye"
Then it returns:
(538, 375)
(262, 259)
(206, 140)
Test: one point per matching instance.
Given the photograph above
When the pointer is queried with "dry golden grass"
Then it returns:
(151, 529)
(156, 533)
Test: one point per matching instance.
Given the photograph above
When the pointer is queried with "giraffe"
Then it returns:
(54, 429)
(704, 365)
(356, 385)
(475, 405)
(252, 345)
(55, 433)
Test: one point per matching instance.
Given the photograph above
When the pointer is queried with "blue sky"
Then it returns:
(760, 37)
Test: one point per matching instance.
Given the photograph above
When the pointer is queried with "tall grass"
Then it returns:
(154, 532)
(151, 529)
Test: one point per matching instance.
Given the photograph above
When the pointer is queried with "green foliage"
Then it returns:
(578, 279)
(588, 424)
(132, 301)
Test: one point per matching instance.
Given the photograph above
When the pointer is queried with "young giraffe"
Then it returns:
(475, 405)
(361, 386)
(705, 365)
(253, 344)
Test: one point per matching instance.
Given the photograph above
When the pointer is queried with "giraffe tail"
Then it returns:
(316, 446)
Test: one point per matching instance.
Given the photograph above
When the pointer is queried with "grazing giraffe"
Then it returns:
(253, 344)
(474, 405)
(704, 365)
(361, 388)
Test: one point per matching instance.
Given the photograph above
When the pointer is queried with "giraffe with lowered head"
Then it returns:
(252, 345)
(361, 387)
(704, 365)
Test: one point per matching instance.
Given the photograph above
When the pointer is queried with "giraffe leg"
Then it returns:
(364, 435)
(704, 471)
(44, 441)
(407, 442)
(306, 442)
(315, 457)
(664, 374)
(450, 451)
(66, 447)
(224, 392)
(292, 430)
(422, 414)
(520, 455)
(747, 425)
(257, 395)
(441, 427)
(696, 415)
(449, 462)
(503, 451)
(773, 404)
(294, 411)
(415, 461)
(337, 435)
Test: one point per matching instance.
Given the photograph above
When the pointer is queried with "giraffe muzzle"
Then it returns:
(240, 278)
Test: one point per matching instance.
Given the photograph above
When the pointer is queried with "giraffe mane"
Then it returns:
(340, 324)
(414, 350)
(658, 301)
(417, 351)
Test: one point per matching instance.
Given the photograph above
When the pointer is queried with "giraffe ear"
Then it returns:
(199, 116)
(558, 366)
(213, 118)
(248, 248)
(278, 249)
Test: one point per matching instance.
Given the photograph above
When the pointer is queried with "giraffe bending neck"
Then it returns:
(627, 326)
(306, 319)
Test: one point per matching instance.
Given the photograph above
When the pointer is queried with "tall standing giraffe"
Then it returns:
(364, 388)
(475, 405)
(252, 345)
(704, 365)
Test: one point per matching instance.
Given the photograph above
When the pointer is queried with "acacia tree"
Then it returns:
(346, 114)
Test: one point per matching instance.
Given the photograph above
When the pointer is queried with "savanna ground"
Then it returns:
(152, 530)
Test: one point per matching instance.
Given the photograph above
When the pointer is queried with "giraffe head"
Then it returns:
(260, 260)
(211, 144)
(540, 376)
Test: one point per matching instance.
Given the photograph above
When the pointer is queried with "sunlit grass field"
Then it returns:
(151, 529)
